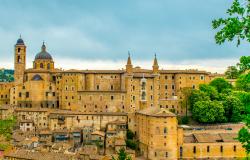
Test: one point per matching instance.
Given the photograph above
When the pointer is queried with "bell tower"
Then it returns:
(19, 60)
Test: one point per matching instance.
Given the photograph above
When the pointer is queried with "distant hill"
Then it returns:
(6, 75)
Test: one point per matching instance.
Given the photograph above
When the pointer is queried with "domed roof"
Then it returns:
(43, 54)
(20, 41)
(37, 77)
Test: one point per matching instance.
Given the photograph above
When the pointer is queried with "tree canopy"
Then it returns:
(236, 26)
(220, 84)
(243, 82)
(122, 155)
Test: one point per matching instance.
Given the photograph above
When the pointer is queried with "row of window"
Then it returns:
(42, 65)
(202, 77)
(4, 96)
(27, 94)
(208, 149)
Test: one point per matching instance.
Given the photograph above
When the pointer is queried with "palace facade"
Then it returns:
(103, 103)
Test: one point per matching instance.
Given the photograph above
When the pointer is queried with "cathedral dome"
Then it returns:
(43, 54)
(20, 41)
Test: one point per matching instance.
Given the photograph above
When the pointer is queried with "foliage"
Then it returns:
(6, 75)
(183, 120)
(210, 91)
(220, 84)
(236, 25)
(233, 109)
(244, 97)
(244, 64)
(244, 135)
(232, 72)
(130, 134)
(6, 127)
(208, 111)
(122, 155)
(3, 146)
(243, 82)
(185, 102)
(196, 96)
(131, 144)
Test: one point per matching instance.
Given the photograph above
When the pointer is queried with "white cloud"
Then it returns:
(211, 65)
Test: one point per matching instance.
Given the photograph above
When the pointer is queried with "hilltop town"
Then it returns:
(92, 114)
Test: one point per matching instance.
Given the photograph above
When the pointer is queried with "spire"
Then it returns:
(43, 47)
(155, 65)
(129, 59)
(129, 66)
(155, 61)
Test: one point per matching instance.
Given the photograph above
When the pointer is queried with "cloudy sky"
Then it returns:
(86, 34)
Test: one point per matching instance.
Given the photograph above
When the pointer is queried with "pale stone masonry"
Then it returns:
(90, 105)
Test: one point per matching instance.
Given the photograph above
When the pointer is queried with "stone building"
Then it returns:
(126, 90)
(75, 105)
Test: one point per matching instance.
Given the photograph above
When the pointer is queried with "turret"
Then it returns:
(129, 66)
(155, 66)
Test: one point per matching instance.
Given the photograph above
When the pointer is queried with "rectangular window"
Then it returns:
(193, 86)
(221, 148)
(234, 148)
(202, 77)
(112, 97)
(194, 149)
(97, 87)
(27, 94)
(165, 130)
(166, 86)
(166, 154)
(20, 94)
(173, 86)
(208, 149)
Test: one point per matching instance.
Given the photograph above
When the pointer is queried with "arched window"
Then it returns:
(18, 59)
(48, 66)
(41, 65)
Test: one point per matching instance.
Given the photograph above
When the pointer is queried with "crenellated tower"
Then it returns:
(20, 60)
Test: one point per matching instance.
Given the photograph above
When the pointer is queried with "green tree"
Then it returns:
(220, 84)
(243, 82)
(209, 91)
(130, 134)
(122, 155)
(244, 97)
(185, 102)
(233, 109)
(236, 25)
(244, 64)
(195, 96)
(244, 135)
(232, 72)
(208, 112)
